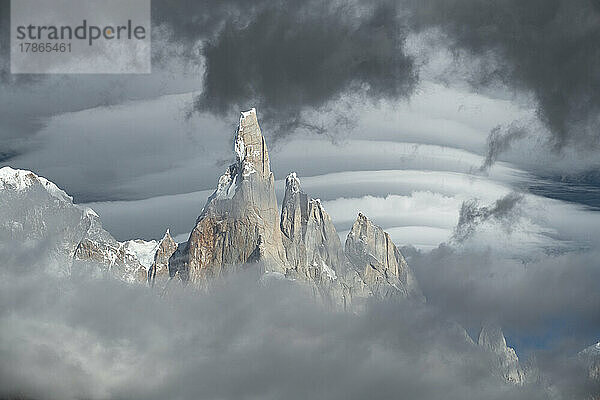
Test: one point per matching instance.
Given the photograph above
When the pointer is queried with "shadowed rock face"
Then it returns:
(160, 267)
(378, 261)
(309, 237)
(313, 248)
(239, 223)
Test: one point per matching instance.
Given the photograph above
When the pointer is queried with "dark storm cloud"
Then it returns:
(500, 140)
(547, 47)
(473, 214)
(286, 57)
(114, 340)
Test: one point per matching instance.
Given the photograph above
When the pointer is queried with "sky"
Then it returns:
(469, 130)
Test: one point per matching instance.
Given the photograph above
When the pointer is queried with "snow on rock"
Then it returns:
(292, 182)
(20, 180)
(227, 184)
(239, 222)
(592, 351)
(35, 210)
(240, 149)
(142, 250)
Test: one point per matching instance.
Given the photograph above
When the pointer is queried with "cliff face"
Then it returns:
(492, 339)
(239, 223)
(378, 261)
(159, 270)
(313, 248)
(310, 239)
(33, 209)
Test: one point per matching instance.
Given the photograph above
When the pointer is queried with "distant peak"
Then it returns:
(292, 183)
(491, 336)
(20, 179)
(90, 212)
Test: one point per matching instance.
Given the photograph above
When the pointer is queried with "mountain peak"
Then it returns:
(292, 183)
(239, 224)
(20, 180)
(492, 338)
(250, 147)
(381, 265)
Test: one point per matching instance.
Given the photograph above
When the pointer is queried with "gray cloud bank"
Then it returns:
(553, 297)
(99, 338)
(292, 56)
(548, 48)
(288, 55)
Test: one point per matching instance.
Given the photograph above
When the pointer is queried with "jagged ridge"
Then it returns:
(239, 225)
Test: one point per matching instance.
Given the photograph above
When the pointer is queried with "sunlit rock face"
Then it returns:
(239, 226)
(313, 248)
(492, 338)
(239, 223)
(378, 261)
(371, 266)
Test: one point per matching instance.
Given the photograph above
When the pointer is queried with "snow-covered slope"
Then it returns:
(21, 180)
(34, 212)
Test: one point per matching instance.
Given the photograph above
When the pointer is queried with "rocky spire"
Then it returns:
(379, 262)
(239, 223)
(160, 267)
(313, 248)
(492, 338)
(250, 147)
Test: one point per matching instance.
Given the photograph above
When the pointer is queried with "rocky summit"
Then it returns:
(239, 226)
(491, 338)
(34, 210)
(239, 223)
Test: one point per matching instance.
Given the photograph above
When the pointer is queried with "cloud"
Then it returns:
(552, 297)
(114, 340)
(147, 148)
(291, 56)
(149, 218)
(500, 140)
(29, 101)
(547, 48)
(472, 214)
